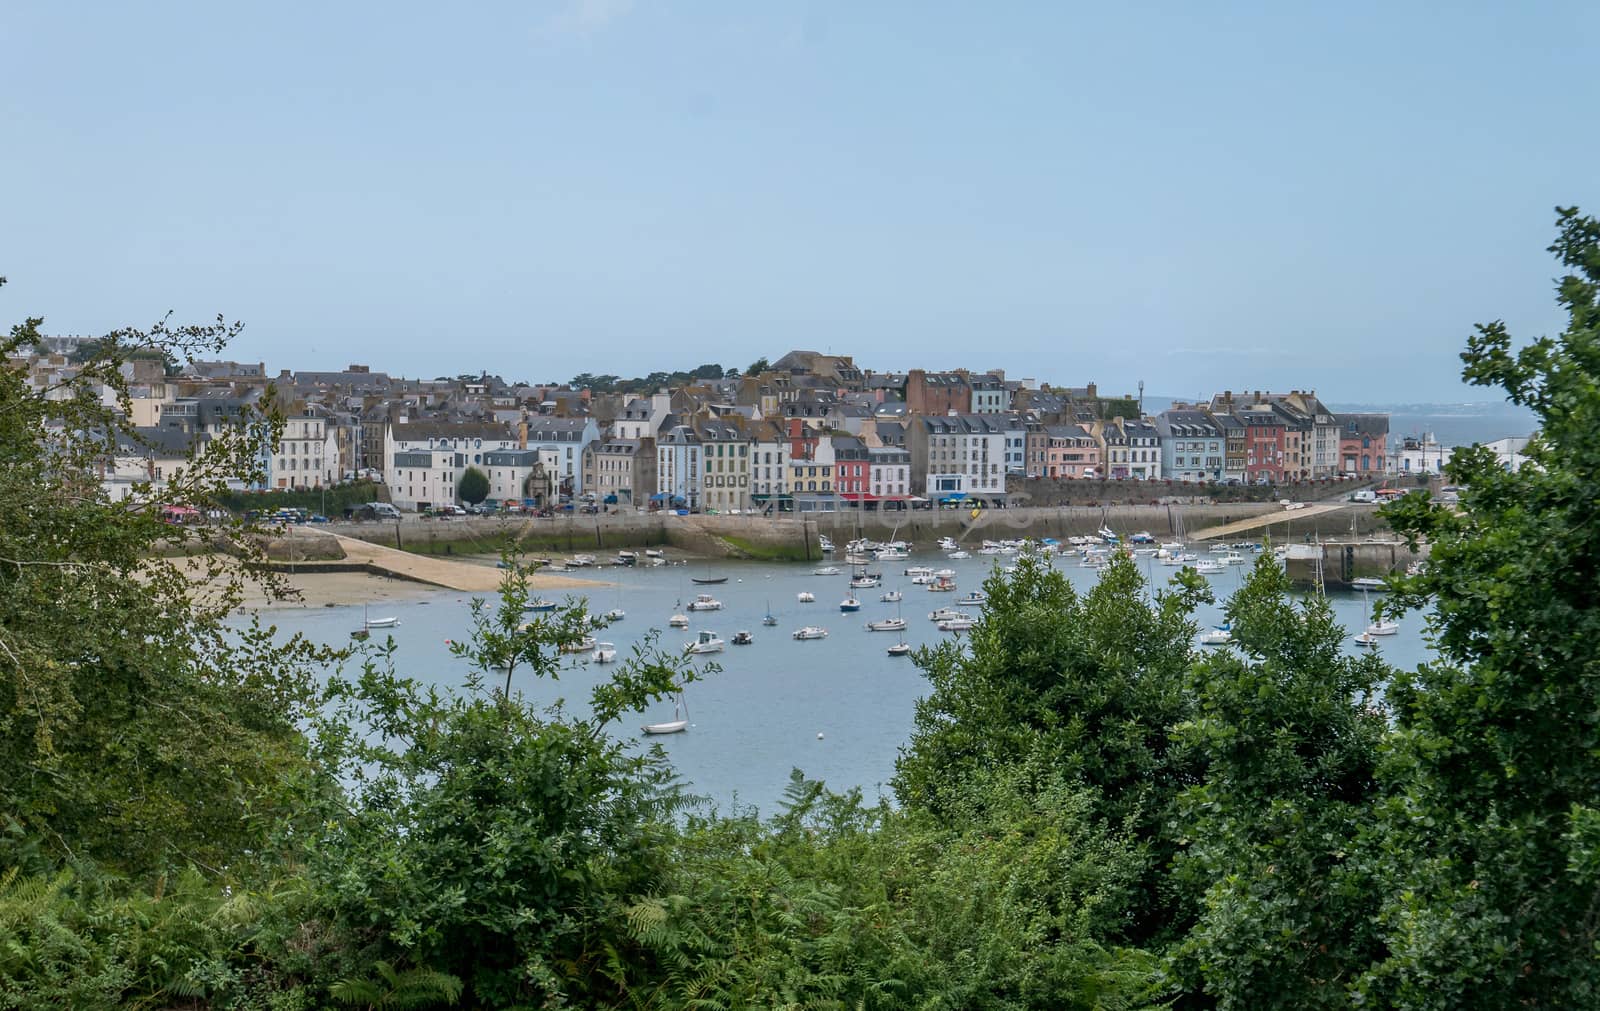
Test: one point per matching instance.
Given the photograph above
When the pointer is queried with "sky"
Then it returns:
(1199, 196)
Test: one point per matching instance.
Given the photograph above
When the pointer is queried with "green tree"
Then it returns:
(487, 840)
(758, 366)
(1286, 733)
(137, 729)
(474, 486)
(1086, 685)
(1493, 838)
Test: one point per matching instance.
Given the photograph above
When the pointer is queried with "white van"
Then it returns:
(384, 511)
(1364, 495)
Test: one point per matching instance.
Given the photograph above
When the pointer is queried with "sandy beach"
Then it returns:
(349, 588)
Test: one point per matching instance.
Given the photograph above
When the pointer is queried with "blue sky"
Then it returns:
(1201, 196)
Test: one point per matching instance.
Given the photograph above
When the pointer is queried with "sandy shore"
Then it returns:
(334, 589)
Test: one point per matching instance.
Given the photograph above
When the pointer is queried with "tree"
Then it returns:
(1286, 733)
(474, 486)
(1493, 837)
(707, 372)
(488, 841)
(1088, 686)
(758, 366)
(138, 728)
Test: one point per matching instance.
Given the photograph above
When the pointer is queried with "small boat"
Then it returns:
(679, 621)
(958, 554)
(382, 622)
(942, 584)
(892, 597)
(918, 570)
(1208, 567)
(539, 604)
(948, 544)
(677, 725)
(956, 625)
(1219, 635)
(705, 602)
(1372, 583)
(854, 559)
(1382, 627)
(811, 632)
(584, 645)
(826, 570)
(901, 648)
(971, 599)
(1366, 640)
(1233, 558)
(705, 642)
(654, 553)
(708, 580)
(892, 554)
(887, 625)
(604, 652)
(863, 582)
(947, 614)
(580, 561)
(825, 544)
(743, 638)
(806, 597)
(615, 614)
(627, 558)
(360, 635)
(849, 604)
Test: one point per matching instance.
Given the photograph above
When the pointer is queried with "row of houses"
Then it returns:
(812, 432)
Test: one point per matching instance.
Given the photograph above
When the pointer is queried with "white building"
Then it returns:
(958, 455)
(423, 460)
(769, 462)
(888, 472)
(306, 456)
(565, 439)
(515, 475)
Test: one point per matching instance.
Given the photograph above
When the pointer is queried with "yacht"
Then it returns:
(806, 597)
(918, 570)
(826, 570)
(864, 581)
(887, 625)
(743, 638)
(956, 625)
(679, 621)
(604, 652)
(811, 632)
(705, 602)
(825, 544)
(892, 597)
(947, 614)
(1209, 567)
(705, 642)
(849, 604)
(958, 554)
(971, 599)
(900, 649)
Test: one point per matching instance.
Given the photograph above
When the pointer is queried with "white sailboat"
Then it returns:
(1379, 626)
(679, 722)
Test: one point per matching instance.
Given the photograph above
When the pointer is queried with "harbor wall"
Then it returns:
(1347, 560)
(795, 536)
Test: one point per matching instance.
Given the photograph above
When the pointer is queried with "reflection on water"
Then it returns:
(760, 716)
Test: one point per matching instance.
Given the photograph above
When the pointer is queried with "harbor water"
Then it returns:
(838, 708)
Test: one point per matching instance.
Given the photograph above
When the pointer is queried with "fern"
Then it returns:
(398, 989)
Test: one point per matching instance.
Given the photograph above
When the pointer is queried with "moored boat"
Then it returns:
(706, 642)
(887, 625)
(811, 632)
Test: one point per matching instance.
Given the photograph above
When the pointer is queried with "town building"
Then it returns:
(959, 456)
(1363, 444)
(1193, 447)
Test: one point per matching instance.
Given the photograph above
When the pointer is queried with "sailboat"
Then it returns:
(1379, 626)
(769, 619)
(679, 722)
(367, 622)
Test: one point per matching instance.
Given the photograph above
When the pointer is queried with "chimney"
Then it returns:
(522, 431)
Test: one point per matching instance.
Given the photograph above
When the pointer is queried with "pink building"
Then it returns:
(1071, 451)
(1363, 440)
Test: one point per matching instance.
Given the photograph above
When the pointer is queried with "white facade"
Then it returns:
(966, 456)
(888, 473)
(769, 461)
(306, 456)
(423, 461)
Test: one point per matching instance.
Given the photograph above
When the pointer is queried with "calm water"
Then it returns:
(759, 717)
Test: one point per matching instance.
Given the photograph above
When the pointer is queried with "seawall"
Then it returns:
(795, 537)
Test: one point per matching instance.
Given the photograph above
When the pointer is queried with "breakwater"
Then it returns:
(795, 537)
